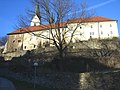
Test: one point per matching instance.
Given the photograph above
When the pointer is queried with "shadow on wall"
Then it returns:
(80, 64)
(75, 64)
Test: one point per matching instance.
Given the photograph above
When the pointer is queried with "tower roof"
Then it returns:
(37, 11)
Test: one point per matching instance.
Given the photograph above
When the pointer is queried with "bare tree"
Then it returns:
(58, 14)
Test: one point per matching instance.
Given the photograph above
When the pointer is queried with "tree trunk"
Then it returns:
(61, 57)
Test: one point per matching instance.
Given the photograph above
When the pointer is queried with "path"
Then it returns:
(6, 84)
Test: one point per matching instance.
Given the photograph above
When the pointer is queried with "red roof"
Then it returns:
(37, 28)
(62, 24)
(91, 19)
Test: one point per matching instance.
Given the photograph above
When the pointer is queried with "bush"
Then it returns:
(20, 65)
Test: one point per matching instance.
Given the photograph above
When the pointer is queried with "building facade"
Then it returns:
(94, 28)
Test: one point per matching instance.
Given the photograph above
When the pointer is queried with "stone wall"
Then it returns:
(10, 55)
(81, 81)
(108, 80)
(14, 43)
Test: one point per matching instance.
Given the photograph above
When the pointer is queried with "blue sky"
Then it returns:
(11, 9)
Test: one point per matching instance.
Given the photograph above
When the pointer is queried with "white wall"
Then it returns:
(109, 29)
(35, 21)
(99, 30)
(32, 40)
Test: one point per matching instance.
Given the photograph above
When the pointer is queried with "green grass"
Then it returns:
(22, 85)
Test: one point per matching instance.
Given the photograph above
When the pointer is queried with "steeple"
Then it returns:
(37, 11)
(36, 20)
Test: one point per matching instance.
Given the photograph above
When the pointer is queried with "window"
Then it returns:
(81, 34)
(25, 47)
(90, 37)
(13, 41)
(111, 32)
(101, 32)
(46, 44)
(80, 27)
(34, 46)
(110, 25)
(91, 26)
(30, 39)
(91, 33)
(34, 24)
(19, 40)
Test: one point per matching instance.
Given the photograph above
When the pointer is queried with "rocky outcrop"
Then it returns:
(10, 55)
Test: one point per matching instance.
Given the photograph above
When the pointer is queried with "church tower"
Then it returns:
(36, 20)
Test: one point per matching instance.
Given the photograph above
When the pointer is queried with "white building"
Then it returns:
(96, 27)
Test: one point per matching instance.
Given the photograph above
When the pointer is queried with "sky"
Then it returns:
(10, 10)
